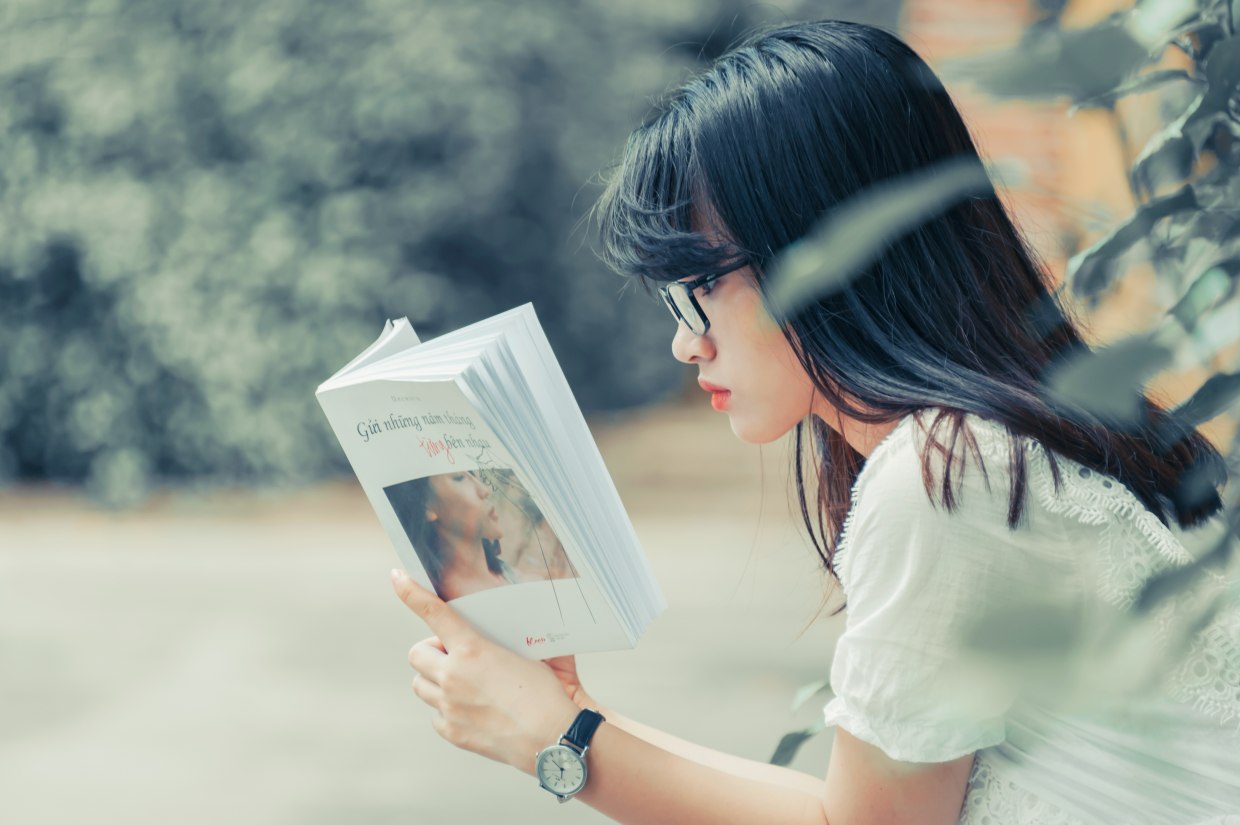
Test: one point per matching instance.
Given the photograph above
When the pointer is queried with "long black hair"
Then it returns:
(955, 316)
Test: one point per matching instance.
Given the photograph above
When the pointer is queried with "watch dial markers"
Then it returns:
(561, 770)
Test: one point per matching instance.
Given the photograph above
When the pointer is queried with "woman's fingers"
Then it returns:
(429, 658)
(442, 619)
(428, 691)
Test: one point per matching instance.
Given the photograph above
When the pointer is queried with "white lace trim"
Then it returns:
(1136, 545)
(994, 800)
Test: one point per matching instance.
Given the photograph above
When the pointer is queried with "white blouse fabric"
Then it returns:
(1025, 646)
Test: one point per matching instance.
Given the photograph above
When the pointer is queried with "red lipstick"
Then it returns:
(719, 396)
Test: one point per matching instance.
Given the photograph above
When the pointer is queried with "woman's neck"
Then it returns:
(468, 570)
(862, 436)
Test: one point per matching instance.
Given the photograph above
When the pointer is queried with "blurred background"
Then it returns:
(206, 208)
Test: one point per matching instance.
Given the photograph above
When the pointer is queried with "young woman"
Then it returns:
(455, 530)
(957, 506)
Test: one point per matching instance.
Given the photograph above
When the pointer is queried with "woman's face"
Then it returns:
(461, 508)
(745, 361)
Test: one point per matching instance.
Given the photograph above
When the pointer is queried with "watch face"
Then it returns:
(561, 770)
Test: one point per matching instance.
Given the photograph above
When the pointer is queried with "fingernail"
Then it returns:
(397, 575)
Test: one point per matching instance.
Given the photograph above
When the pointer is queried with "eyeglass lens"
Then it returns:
(682, 305)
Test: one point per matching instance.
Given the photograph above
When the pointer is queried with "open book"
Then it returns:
(477, 460)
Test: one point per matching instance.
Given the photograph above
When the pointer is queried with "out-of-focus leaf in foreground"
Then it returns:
(1210, 287)
(807, 692)
(1092, 270)
(856, 232)
(790, 743)
(1088, 65)
(1218, 394)
(1177, 580)
(1109, 382)
(1138, 85)
(1084, 64)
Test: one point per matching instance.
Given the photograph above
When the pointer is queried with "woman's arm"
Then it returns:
(633, 781)
(493, 702)
(565, 669)
(720, 761)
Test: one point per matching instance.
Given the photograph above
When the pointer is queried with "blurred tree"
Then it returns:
(207, 207)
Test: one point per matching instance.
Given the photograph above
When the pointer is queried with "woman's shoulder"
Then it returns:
(925, 445)
(981, 458)
(1065, 507)
(900, 511)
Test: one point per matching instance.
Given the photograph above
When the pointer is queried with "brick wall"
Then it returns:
(1032, 134)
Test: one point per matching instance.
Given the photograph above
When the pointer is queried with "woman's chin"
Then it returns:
(756, 433)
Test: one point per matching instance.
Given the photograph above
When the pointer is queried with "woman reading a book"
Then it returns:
(956, 504)
(455, 530)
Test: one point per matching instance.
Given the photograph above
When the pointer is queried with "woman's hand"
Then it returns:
(565, 669)
(489, 700)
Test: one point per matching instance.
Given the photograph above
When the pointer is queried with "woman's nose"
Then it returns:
(689, 348)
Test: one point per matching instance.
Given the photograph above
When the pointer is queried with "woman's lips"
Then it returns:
(719, 396)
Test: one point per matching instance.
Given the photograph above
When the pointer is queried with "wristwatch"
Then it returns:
(561, 768)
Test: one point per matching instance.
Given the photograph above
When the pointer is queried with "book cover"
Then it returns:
(467, 515)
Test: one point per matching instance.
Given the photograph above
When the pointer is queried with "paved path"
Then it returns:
(239, 657)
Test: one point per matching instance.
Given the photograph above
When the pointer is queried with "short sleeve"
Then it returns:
(917, 579)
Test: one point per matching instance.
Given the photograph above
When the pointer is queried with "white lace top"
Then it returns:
(1027, 646)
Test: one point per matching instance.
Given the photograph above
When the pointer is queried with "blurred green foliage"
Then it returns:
(208, 207)
(1185, 182)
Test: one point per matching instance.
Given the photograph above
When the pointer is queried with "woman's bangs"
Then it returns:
(648, 212)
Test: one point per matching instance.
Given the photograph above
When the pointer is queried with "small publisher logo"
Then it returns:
(530, 641)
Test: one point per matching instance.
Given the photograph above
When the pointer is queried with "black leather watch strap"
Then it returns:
(583, 728)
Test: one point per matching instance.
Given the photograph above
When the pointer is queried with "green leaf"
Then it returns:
(1158, 22)
(1213, 398)
(1108, 383)
(1091, 270)
(1168, 155)
(1178, 579)
(1221, 69)
(1019, 629)
(1139, 84)
(1077, 63)
(807, 692)
(857, 231)
(1210, 400)
(790, 743)
(1210, 287)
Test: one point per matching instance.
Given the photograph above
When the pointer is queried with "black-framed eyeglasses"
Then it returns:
(679, 297)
